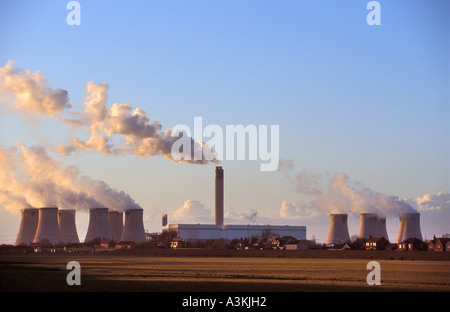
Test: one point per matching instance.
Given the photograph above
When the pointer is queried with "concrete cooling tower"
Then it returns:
(368, 225)
(98, 224)
(115, 220)
(382, 230)
(47, 228)
(338, 232)
(409, 227)
(28, 225)
(67, 226)
(134, 226)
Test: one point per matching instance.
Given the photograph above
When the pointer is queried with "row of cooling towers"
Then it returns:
(59, 226)
(373, 225)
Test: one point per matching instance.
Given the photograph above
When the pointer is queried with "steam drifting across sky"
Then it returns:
(335, 193)
(31, 178)
(115, 130)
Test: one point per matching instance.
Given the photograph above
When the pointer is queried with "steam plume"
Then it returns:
(116, 130)
(31, 93)
(336, 194)
(31, 178)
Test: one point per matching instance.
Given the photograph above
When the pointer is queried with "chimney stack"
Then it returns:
(164, 220)
(219, 195)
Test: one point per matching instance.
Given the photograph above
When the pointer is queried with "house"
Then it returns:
(441, 244)
(107, 243)
(376, 243)
(178, 243)
(431, 243)
(412, 244)
(125, 245)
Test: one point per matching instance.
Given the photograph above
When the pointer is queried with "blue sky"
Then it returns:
(369, 101)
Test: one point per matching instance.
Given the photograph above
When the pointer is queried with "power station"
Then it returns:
(373, 225)
(59, 225)
(196, 232)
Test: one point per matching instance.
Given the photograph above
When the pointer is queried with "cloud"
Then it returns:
(335, 193)
(297, 210)
(116, 130)
(438, 201)
(192, 211)
(31, 178)
(30, 93)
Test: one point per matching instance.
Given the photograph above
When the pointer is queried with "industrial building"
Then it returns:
(196, 232)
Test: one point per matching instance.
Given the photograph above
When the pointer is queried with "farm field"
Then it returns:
(164, 272)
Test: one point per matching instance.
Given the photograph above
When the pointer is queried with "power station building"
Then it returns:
(196, 232)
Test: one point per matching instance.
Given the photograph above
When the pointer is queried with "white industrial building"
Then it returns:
(195, 232)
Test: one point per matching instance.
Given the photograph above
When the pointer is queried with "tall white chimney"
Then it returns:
(219, 196)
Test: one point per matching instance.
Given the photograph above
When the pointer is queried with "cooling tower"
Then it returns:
(28, 225)
(115, 219)
(134, 226)
(219, 195)
(98, 224)
(382, 230)
(368, 225)
(47, 228)
(409, 227)
(67, 226)
(338, 233)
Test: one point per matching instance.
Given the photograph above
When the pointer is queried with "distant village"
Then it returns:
(169, 240)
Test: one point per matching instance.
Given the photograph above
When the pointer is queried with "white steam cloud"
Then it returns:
(116, 130)
(30, 92)
(336, 194)
(31, 178)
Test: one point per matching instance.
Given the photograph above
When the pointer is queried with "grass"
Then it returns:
(173, 271)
